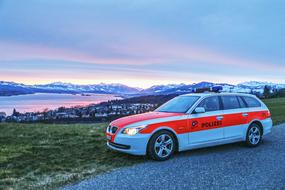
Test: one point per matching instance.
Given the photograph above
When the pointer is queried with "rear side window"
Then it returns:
(230, 102)
(210, 104)
(241, 102)
(251, 102)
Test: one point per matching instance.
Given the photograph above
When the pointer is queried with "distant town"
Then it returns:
(89, 113)
(110, 110)
(93, 113)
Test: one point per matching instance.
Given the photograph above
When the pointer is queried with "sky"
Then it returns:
(142, 42)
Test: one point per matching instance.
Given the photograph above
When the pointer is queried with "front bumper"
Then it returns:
(135, 145)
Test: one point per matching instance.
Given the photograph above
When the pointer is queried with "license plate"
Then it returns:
(109, 137)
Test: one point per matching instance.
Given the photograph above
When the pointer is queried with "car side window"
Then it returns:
(210, 104)
(230, 102)
(251, 102)
(241, 102)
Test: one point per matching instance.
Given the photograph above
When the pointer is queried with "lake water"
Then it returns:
(41, 101)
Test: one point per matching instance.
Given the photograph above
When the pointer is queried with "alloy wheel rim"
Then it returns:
(254, 135)
(163, 145)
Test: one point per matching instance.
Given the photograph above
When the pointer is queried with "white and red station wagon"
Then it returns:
(191, 121)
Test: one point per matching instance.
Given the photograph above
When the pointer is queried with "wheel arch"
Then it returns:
(165, 129)
(258, 123)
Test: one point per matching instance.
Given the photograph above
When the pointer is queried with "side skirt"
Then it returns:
(210, 144)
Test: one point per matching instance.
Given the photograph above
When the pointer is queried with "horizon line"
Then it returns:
(162, 84)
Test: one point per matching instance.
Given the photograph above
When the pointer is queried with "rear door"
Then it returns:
(235, 116)
(206, 127)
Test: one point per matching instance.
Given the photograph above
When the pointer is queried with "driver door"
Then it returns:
(206, 127)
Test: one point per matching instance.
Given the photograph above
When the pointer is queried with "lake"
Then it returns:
(41, 101)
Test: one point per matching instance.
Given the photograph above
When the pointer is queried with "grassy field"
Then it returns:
(277, 109)
(45, 156)
(42, 156)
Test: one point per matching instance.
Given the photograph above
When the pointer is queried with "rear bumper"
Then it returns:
(135, 145)
(267, 126)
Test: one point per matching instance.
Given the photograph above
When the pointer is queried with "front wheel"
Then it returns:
(161, 145)
(254, 135)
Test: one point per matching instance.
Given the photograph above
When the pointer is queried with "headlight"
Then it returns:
(133, 130)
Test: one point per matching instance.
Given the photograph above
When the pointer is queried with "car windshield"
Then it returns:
(180, 104)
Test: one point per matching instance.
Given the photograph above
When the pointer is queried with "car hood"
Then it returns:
(145, 118)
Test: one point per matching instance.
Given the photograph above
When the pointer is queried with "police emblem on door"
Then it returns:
(194, 124)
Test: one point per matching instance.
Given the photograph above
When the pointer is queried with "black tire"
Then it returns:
(249, 142)
(153, 151)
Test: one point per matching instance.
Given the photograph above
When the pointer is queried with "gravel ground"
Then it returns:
(232, 166)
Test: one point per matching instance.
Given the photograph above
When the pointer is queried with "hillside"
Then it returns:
(66, 153)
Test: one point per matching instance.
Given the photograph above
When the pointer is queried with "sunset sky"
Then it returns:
(142, 43)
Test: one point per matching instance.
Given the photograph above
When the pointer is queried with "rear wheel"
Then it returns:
(161, 145)
(254, 135)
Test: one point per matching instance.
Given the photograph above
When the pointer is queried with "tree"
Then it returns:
(281, 92)
(266, 91)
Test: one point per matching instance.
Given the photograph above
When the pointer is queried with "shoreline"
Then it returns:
(37, 102)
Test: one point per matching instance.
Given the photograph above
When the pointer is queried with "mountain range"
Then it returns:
(12, 88)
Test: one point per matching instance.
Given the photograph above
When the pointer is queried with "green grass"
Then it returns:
(42, 156)
(46, 156)
(277, 109)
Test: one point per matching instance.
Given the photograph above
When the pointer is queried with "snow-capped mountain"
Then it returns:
(11, 88)
(95, 88)
(246, 87)
(157, 89)
(257, 84)
(180, 88)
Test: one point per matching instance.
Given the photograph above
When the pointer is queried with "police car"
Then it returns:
(191, 121)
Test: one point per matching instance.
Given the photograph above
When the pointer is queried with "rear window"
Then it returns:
(251, 102)
(210, 104)
(230, 102)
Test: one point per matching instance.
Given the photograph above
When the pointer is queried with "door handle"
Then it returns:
(244, 114)
(219, 118)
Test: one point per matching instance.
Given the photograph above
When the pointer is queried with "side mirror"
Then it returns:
(200, 110)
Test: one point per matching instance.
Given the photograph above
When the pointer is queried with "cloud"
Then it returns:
(17, 51)
(143, 52)
(174, 52)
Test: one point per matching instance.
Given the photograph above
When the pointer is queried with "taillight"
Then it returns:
(267, 114)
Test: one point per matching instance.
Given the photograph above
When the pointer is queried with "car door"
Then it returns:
(206, 127)
(235, 116)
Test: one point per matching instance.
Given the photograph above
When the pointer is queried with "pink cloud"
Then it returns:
(144, 50)
(16, 51)
(172, 52)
